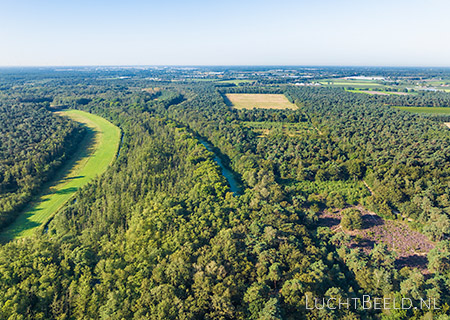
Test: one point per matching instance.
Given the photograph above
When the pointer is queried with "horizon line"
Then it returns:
(218, 65)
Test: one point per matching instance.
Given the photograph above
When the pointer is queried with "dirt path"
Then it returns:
(310, 122)
(371, 191)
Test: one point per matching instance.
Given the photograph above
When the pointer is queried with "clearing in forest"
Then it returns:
(258, 101)
(357, 83)
(237, 81)
(263, 129)
(93, 156)
(411, 247)
(428, 110)
(380, 93)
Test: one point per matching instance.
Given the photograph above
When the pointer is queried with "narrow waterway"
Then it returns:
(228, 174)
(120, 144)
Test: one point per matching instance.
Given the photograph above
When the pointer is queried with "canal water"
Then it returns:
(228, 174)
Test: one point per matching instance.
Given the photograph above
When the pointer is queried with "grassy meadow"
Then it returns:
(351, 83)
(379, 92)
(96, 152)
(426, 110)
(237, 81)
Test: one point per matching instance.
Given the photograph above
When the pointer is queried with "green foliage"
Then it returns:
(34, 143)
(351, 219)
(159, 235)
(439, 257)
(271, 310)
(92, 157)
(395, 152)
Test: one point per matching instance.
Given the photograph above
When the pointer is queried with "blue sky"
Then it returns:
(245, 32)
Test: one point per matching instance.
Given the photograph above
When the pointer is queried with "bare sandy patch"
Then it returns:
(411, 247)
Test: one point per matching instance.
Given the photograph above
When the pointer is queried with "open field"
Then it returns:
(431, 82)
(427, 110)
(350, 83)
(152, 90)
(259, 101)
(410, 246)
(237, 81)
(360, 85)
(382, 93)
(231, 81)
(199, 79)
(291, 129)
(94, 155)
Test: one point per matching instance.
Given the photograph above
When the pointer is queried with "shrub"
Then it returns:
(351, 219)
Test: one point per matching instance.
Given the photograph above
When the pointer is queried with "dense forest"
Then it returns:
(33, 145)
(407, 156)
(161, 236)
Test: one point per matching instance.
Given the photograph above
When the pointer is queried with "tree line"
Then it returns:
(34, 144)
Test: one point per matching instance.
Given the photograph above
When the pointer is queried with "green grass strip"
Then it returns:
(95, 153)
(427, 110)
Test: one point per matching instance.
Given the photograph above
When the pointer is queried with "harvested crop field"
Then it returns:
(258, 101)
(411, 247)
